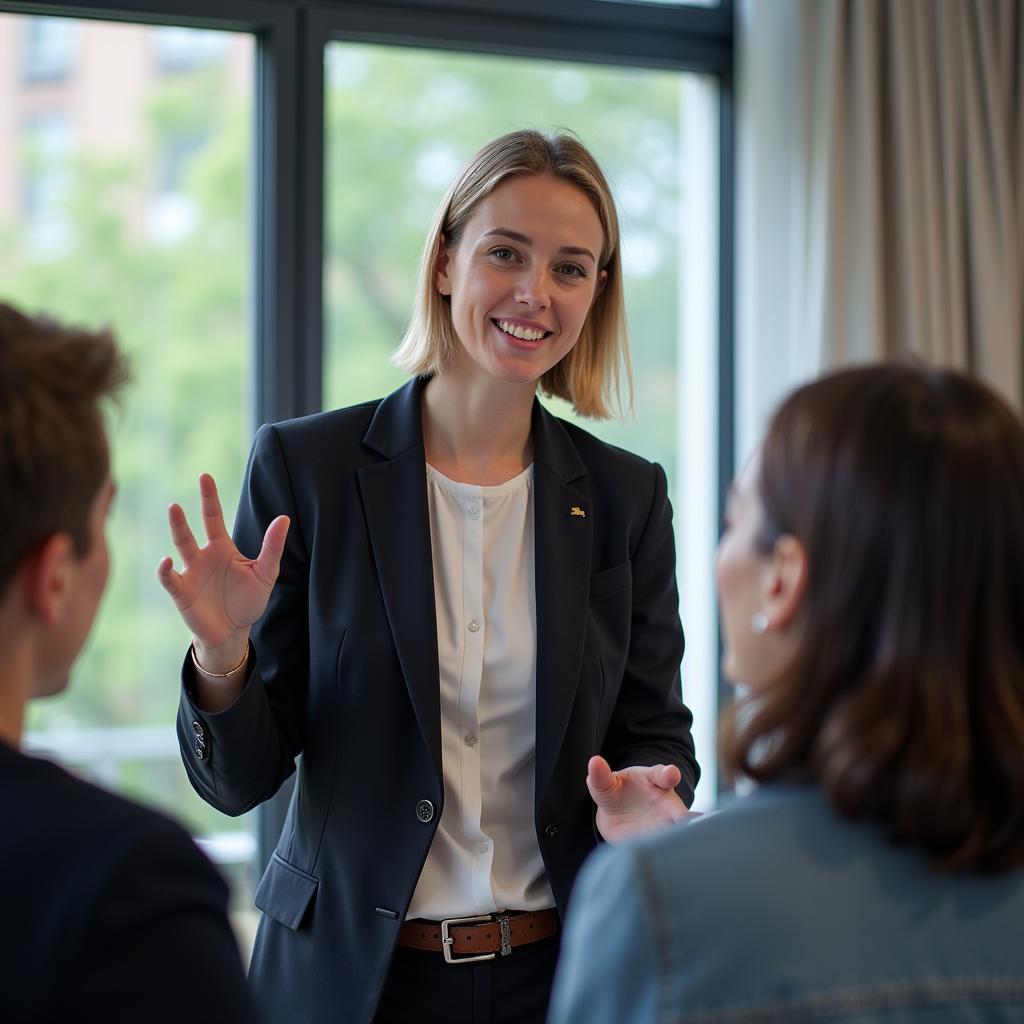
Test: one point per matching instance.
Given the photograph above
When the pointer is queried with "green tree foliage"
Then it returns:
(179, 306)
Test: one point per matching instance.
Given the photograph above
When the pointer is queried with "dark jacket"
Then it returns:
(110, 911)
(346, 673)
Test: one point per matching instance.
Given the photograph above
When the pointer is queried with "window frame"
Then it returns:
(288, 213)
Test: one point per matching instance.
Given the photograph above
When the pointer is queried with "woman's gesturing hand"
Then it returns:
(219, 593)
(634, 800)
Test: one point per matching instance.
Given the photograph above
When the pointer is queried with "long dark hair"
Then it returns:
(906, 699)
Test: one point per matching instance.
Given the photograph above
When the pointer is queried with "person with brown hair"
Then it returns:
(475, 601)
(110, 910)
(871, 580)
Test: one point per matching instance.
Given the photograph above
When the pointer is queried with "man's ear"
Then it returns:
(785, 581)
(442, 261)
(48, 578)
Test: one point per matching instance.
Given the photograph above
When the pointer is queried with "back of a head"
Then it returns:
(906, 699)
(53, 449)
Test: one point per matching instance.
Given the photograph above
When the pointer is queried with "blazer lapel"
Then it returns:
(563, 529)
(394, 496)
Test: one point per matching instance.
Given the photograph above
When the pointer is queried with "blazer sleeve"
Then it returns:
(608, 959)
(156, 945)
(650, 724)
(237, 758)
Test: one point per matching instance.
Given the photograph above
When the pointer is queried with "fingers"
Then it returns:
(666, 776)
(601, 780)
(268, 563)
(181, 534)
(209, 506)
(169, 579)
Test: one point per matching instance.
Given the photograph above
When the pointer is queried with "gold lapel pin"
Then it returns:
(577, 511)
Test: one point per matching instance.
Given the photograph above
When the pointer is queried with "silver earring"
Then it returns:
(759, 623)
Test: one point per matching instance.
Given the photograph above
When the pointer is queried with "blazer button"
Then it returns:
(425, 810)
(553, 829)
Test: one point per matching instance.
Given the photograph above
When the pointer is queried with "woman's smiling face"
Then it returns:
(523, 277)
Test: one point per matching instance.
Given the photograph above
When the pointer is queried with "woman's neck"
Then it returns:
(477, 433)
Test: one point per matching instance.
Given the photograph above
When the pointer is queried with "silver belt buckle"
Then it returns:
(447, 941)
(506, 933)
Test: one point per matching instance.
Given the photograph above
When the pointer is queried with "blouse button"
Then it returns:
(474, 626)
(473, 508)
(470, 739)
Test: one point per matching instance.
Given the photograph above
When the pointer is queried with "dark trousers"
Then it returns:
(511, 989)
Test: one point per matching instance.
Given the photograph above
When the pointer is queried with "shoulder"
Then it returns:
(598, 453)
(780, 861)
(82, 831)
(334, 426)
(682, 907)
(612, 469)
(112, 900)
(778, 816)
(718, 867)
(92, 865)
(321, 446)
(358, 434)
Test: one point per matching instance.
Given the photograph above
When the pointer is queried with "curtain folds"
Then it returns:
(880, 159)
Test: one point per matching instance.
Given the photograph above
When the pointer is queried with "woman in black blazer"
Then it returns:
(461, 611)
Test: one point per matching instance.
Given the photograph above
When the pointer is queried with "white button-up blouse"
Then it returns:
(485, 856)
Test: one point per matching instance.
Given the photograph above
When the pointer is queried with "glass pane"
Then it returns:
(389, 162)
(123, 200)
(49, 46)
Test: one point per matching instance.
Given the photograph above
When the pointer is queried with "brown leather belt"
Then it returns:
(471, 939)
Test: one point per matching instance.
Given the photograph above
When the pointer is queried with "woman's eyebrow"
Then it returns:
(518, 236)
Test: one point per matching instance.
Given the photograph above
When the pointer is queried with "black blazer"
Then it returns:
(346, 673)
(110, 911)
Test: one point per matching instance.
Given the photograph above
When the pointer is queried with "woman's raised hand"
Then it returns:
(219, 593)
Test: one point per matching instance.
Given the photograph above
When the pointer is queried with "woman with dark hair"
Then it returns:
(871, 579)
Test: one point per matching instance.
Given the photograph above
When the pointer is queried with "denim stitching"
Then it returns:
(661, 932)
(875, 997)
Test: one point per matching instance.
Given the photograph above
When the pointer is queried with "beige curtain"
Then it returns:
(881, 175)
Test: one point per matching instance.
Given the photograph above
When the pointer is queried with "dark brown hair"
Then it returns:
(906, 698)
(53, 448)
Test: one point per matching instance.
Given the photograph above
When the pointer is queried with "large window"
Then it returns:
(241, 188)
(106, 216)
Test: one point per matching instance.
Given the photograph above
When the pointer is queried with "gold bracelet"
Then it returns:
(219, 675)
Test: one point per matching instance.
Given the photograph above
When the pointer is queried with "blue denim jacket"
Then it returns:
(777, 910)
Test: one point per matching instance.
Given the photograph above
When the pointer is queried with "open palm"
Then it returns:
(634, 800)
(219, 593)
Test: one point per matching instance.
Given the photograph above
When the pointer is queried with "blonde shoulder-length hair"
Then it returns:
(596, 372)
